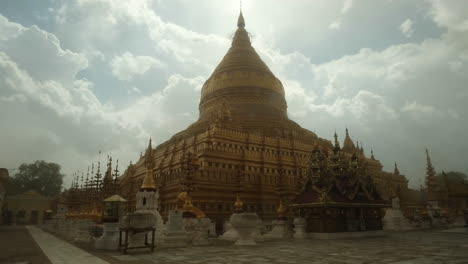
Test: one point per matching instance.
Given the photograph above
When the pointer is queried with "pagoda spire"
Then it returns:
(108, 175)
(337, 143)
(396, 171)
(348, 144)
(240, 20)
(372, 154)
(148, 182)
(430, 177)
(116, 171)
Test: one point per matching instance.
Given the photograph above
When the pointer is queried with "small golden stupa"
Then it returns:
(238, 205)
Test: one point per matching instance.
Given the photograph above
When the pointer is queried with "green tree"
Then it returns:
(43, 177)
(451, 177)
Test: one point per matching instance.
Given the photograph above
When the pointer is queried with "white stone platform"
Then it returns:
(378, 233)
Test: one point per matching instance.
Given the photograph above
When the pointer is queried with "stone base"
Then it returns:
(82, 233)
(176, 239)
(200, 234)
(110, 238)
(230, 235)
(245, 239)
(246, 226)
(378, 233)
(459, 222)
(394, 220)
(280, 230)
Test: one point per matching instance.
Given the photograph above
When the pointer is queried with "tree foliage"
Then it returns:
(43, 177)
(451, 177)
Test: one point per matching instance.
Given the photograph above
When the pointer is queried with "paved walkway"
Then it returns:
(413, 247)
(61, 252)
(17, 246)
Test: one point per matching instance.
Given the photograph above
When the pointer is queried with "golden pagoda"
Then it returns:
(243, 127)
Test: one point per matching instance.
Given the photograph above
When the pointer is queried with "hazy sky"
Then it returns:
(79, 76)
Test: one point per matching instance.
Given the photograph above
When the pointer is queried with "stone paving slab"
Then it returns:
(18, 246)
(397, 248)
(61, 252)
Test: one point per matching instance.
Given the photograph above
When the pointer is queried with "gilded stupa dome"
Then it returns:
(245, 84)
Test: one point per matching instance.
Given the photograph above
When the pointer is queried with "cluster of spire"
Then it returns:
(430, 176)
(93, 180)
(348, 146)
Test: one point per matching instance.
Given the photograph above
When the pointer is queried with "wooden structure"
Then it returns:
(123, 244)
(337, 194)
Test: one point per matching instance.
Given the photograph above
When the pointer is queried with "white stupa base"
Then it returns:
(245, 237)
(230, 235)
(394, 220)
(110, 237)
(280, 230)
(82, 232)
(299, 228)
(246, 225)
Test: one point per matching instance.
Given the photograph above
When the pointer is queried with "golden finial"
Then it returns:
(238, 205)
(188, 204)
(396, 171)
(337, 144)
(281, 211)
(148, 182)
(240, 20)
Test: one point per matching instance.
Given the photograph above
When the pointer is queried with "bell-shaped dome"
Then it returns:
(246, 83)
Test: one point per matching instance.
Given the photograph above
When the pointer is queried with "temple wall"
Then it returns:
(220, 151)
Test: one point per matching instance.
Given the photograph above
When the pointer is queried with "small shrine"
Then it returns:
(337, 194)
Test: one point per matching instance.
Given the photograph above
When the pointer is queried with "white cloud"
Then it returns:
(427, 113)
(417, 110)
(74, 109)
(63, 120)
(62, 64)
(450, 14)
(347, 6)
(127, 66)
(336, 25)
(407, 28)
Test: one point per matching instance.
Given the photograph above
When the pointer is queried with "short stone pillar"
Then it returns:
(61, 227)
(299, 228)
(212, 229)
(465, 215)
(70, 230)
(245, 224)
(110, 237)
(201, 230)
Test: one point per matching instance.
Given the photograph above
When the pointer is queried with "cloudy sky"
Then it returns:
(79, 76)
